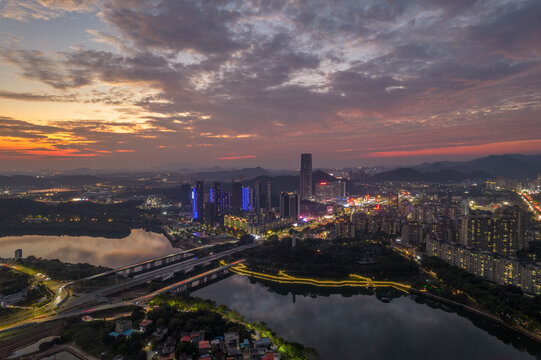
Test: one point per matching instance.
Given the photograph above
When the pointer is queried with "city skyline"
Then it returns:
(109, 85)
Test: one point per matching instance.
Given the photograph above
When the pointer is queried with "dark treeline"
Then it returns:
(331, 259)
(12, 282)
(508, 302)
(73, 218)
(59, 270)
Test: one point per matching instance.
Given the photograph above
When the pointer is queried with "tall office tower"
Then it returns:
(210, 213)
(185, 192)
(289, 205)
(305, 189)
(18, 254)
(236, 197)
(269, 196)
(216, 199)
(247, 199)
(197, 201)
(257, 197)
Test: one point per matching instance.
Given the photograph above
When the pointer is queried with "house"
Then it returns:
(167, 350)
(160, 332)
(145, 325)
(197, 336)
(263, 343)
(269, 356)
(122, 325)
(204, 349)
(232, 342)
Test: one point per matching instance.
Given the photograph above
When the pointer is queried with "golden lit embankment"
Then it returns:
(353, 281)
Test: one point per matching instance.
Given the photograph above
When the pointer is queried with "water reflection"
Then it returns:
(139, 245)
(361, 326)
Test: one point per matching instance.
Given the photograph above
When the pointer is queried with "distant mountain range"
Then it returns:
(246, 173)
(409, 174)
(509, 166)
(44, 182)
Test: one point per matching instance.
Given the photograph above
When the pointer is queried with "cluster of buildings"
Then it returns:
(250, 207)
(226, 347)
(489, 265)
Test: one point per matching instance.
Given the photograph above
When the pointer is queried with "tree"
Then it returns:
(246, 239)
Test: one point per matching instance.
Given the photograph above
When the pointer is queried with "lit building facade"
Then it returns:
(498, 269)
(326, 190)
(500, 232)
(197, 201)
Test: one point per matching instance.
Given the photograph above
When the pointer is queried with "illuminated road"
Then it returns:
(151, 275)
(136, 301)
(58, 289)
(532, 204)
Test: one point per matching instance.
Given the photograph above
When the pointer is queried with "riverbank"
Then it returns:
(477, 311)
(361, 281)
(187, 303)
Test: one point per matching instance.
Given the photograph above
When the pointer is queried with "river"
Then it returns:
(139, 245)
(362, 326)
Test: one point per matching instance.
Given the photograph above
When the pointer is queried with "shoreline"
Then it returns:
(346, 283)
(486, 315)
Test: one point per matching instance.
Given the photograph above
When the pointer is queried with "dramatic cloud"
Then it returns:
(413, 77)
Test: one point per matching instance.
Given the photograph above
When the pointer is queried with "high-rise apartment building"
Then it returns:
(305, 189)
(256, 205)
(198, 201)
(289, 205)
(500, 232)
(268, 204)
(247, 199)
(236, 197)
(216, 199)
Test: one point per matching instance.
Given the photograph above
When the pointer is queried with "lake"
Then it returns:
(358, 326)
(139, 245)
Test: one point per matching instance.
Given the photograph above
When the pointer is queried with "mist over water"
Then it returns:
(139, 245)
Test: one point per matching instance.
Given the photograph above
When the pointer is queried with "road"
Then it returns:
(73, 307)
(532, 204)
(148, 276)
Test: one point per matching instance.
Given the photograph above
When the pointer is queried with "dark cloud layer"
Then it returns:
(299, 73)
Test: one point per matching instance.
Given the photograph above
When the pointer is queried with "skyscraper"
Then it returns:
(236, 197)
(216, 199)
(305, 189)
(185, 192)
(269, 196)
(289, 205)
(247, 198)
(197, 201)
(257, 197)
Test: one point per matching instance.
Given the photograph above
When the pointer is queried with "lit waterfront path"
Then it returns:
(353, 281)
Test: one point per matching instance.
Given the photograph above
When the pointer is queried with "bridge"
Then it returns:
(154, 262)
(192, 282)
(160, 273)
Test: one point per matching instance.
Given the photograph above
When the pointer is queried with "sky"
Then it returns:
(141, 84)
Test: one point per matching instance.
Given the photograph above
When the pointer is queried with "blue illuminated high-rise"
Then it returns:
(197, 201)
(247, 198)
